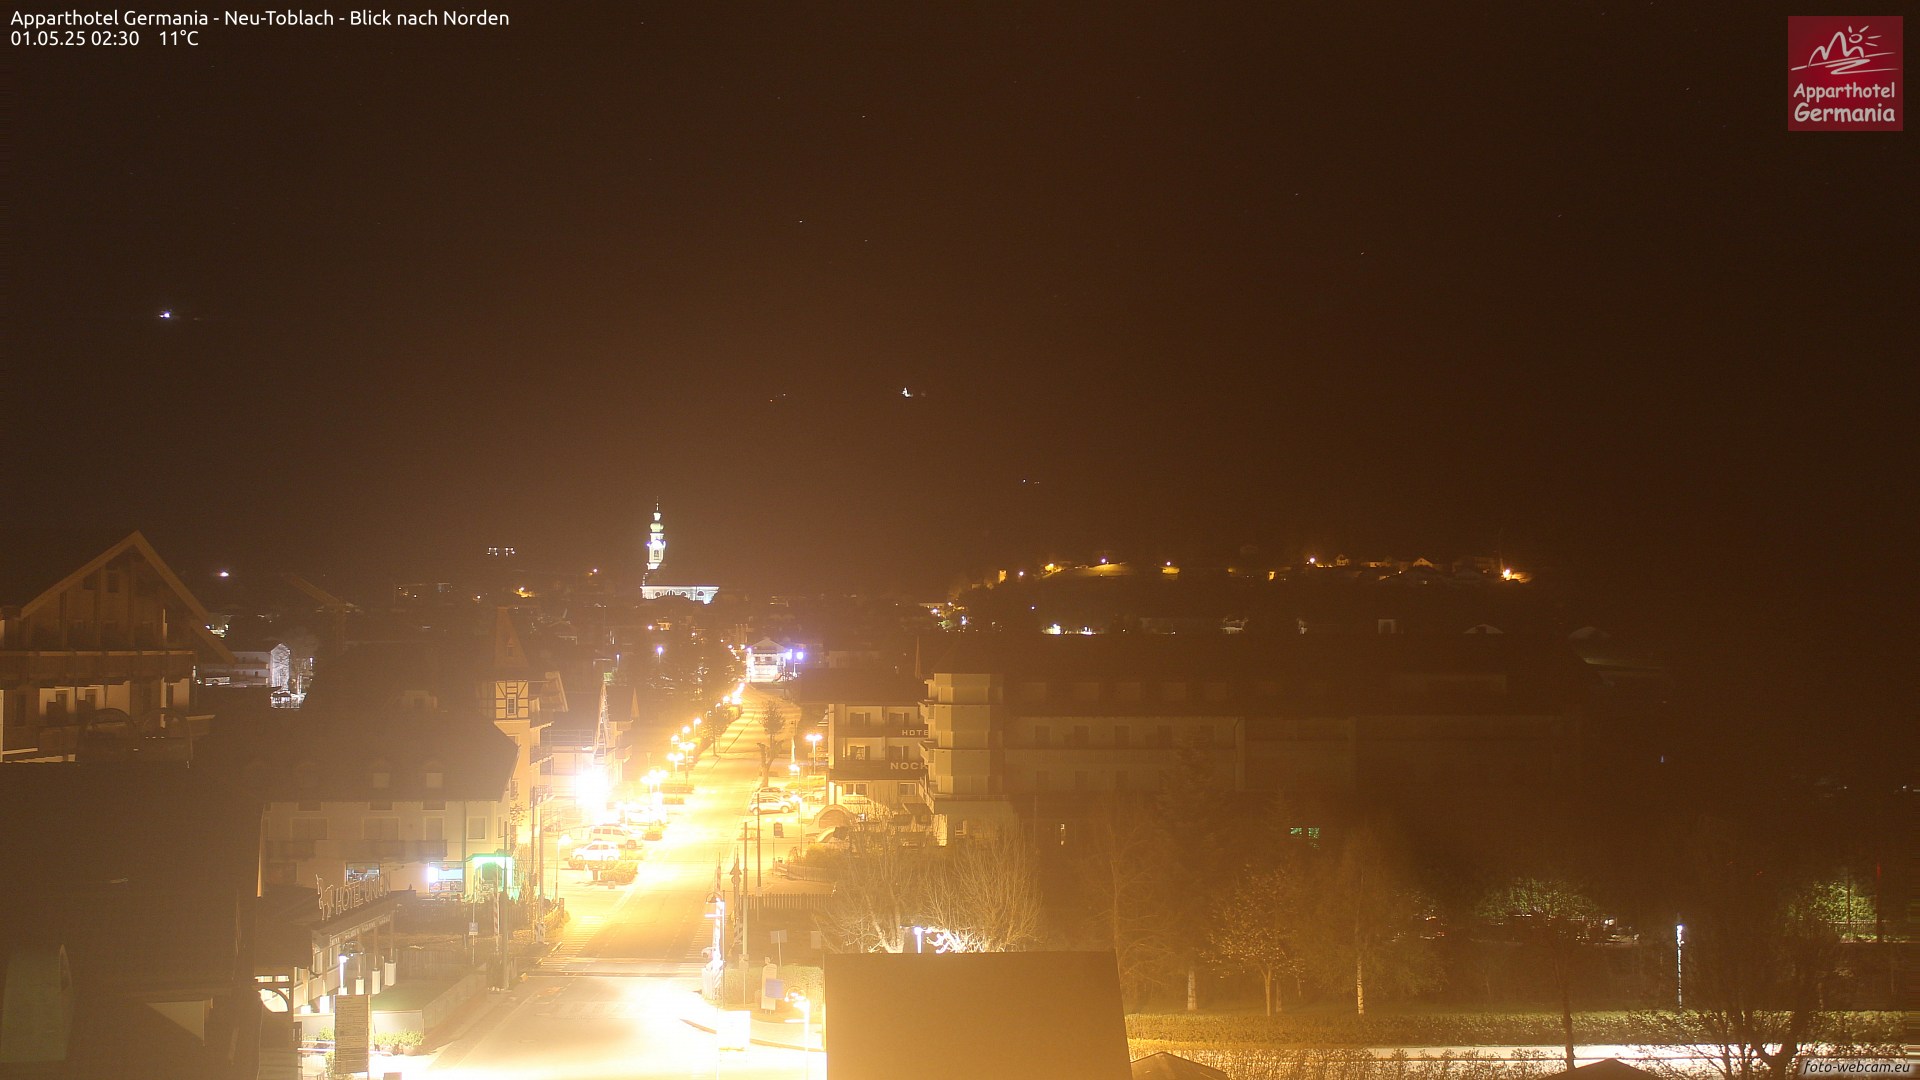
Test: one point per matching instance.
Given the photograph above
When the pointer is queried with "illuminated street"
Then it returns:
(1134, 541)
(614, 998)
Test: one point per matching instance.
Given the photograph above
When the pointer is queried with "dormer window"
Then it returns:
(379, 775)
(434, 775)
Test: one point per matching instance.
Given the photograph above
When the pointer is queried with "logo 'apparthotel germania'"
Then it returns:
(1844, 73)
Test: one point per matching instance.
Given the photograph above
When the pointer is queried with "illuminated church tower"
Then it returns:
(656, 541)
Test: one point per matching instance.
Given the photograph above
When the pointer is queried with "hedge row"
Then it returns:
(1463, 1029)
(1256, 1064)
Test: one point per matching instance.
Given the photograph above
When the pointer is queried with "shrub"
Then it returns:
(399, 1042)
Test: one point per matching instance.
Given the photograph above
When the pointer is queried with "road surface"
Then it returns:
(614, 999)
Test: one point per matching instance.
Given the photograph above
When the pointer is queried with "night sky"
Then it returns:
(1169, 278)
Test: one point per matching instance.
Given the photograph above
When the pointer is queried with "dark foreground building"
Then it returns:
(962, 1016)
(126, 929)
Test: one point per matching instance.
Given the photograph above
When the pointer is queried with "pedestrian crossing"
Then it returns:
(590, 1010)
(579, 933)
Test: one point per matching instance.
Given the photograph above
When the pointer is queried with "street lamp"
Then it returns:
(799, 1001)
(1679, 965)
(813, 747)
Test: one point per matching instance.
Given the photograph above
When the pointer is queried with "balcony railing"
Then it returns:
(850, 730)
(289, 850)
(857, 769)
(393, 850)
(96, 665)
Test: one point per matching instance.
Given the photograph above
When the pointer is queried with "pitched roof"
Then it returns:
(856, 686)
(34, 558)
(30, 561)
(1165, 1066)
(961, 1016)
(1606, 1069)
(332, 757)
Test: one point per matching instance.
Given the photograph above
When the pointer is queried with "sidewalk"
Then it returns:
(703, 1015)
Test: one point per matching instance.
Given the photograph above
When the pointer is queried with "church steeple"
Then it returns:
(656, 541)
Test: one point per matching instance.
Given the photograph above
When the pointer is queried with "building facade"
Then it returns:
(872, 731)
(1045, 731)
(410, 796)
(105, 651)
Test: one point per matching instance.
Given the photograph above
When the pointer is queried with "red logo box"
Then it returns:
(1844, 73)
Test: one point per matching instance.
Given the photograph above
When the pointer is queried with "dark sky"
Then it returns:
(1432, 278)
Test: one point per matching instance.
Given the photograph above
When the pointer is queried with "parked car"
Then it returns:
(646, 815)
(598, 852)
(618, 835)
(767, 804)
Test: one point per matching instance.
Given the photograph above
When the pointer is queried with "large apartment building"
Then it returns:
(1042, 729)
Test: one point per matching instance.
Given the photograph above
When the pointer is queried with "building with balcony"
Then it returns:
(485, 674)
(872, 732)
(409, 795)
(98, 654)
(1047, 730)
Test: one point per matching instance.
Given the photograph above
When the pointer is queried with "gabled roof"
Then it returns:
(137, 544)
(1029, 1016)
(331, 756)
(856, 686)
(34, 557)
(1165, 1066)
(1607, 1069)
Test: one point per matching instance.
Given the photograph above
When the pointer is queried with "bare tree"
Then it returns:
(1259, 927)
(1556, 917)
(1124, 875)
(773, 719)
(1760, 950)
(881, 892)
(1204, 853)
(1371, 920)
(982, 896)
(985, 895)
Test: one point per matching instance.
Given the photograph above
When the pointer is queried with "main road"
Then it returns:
(614, 999)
